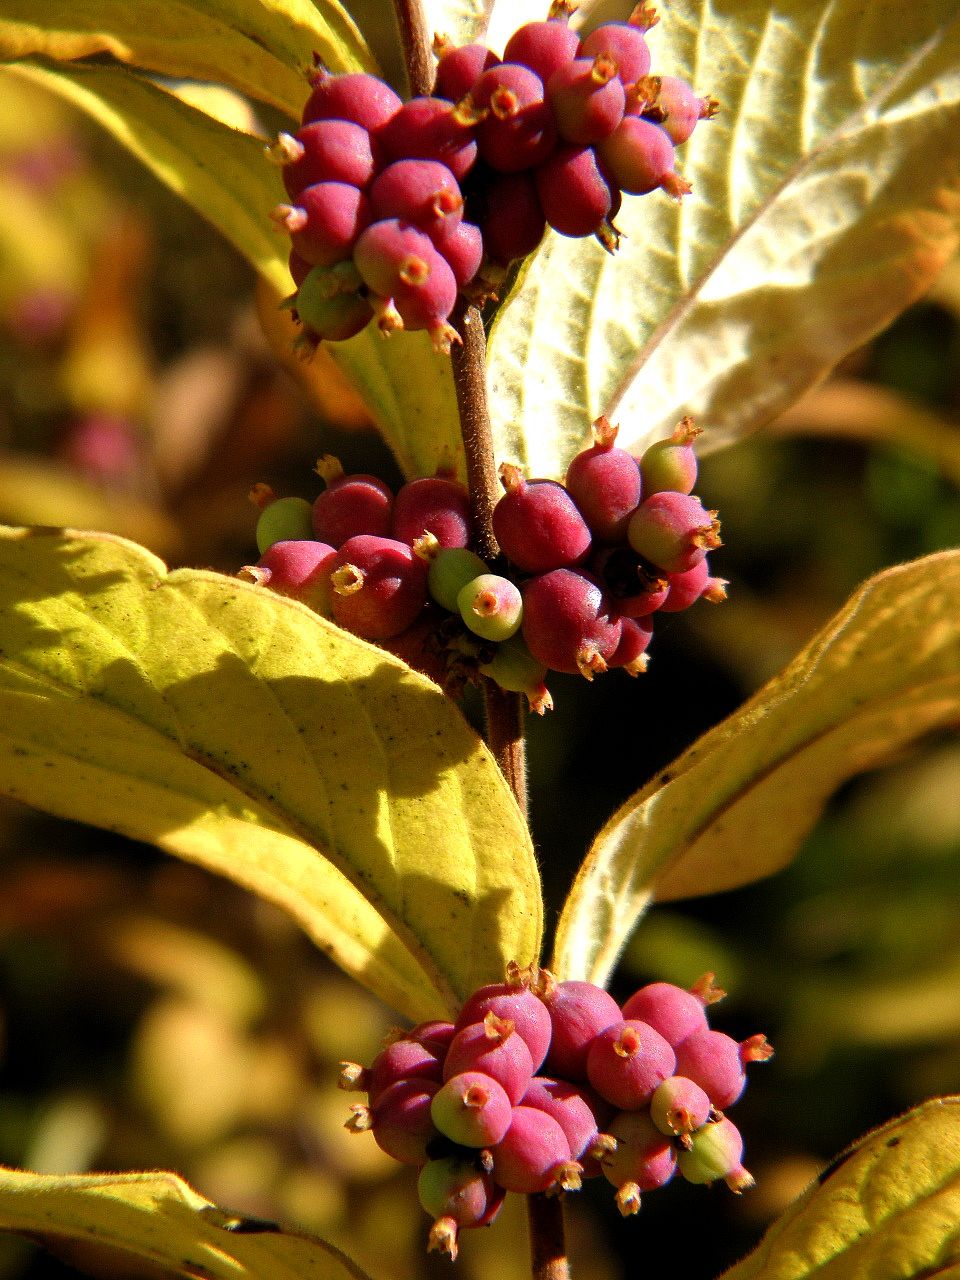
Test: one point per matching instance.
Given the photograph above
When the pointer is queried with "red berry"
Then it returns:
(358, 97)
(422, 192)
(402, 1122)
(567, 623)
(379, 587)
(462, 247)
(299, 569)
(538, 525)
(574, 1111)
(460, 67)
(350, 505)
(604, 481)
(631, 652)
(511, 216)
(639, 158)
(433, 504)
(325, 222)
(402, 1060)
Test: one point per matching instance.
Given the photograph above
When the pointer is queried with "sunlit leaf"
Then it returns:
(826, 198)
(220, 172)
(408, 389)
(104, 1220)
(238, 730)
(889, 1207)
(737, 805)
(260, 47)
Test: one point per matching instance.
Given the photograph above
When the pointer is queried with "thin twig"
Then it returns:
(548, 1254)
(415, 42)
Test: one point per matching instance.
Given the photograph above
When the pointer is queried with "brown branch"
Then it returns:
(548, 1254)
(415, 41)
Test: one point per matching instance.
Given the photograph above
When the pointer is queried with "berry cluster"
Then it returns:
(633, 1093)
(396, 207)
(585, 564)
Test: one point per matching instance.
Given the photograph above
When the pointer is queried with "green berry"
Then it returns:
(284, 520)
(491, 606)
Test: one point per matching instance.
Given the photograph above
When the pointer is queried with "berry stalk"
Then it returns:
(417, 46)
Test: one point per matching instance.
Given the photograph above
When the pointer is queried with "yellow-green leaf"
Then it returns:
(736, 805)
(408, 389)
(826, 198)
(887, 1209)
(223, 174)
(260, 47)
(106, 1220)
(237, 729)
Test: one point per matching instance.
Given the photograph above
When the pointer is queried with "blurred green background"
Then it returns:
(152, 1016)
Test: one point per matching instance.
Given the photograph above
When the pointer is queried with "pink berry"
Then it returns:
(674, 531)
(624, 44)
(627, 1061)
(671, 1010)
(578, 1012)
(518, 129)
(299, 569)
(574, 193)
(631, 652)
(685, 589)
(325, 222)
(587, 98)
(391, 253)
(462, 247)
(574, 1110)
(643, 1160)
(538, 525)
(639, 158)
(460, 67)
(679, 1106)
(517, 1003)
(544, 47)
(430, 129)
(359, 97)
(402, 1060)
(326, 151)
(493, 1047)
(423, 193)
(402, 1121)
(635, 588)
(472, 1109)
(716, 1063)
(678, 109)
(434, 1035)
(534, 1155)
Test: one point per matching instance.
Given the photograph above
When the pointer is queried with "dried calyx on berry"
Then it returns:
(462, 1101)
(551, 133)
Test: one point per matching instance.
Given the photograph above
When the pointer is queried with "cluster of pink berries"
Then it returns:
(399, 206)
(587, 563)
(634, 1094)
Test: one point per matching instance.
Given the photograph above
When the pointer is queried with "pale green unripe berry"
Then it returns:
(284, 520)
(491, 606)
(451, 568)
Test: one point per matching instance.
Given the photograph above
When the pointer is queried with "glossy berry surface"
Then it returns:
(567, 623)
(450, 569)
(679, 1106)
(422, 192)
(518, 130)
(538, 525)
(433, 504)
(491, 606)
(326, 221)
(639, 157)
(669, 1009)
(587, 98)
(379, 586)
(350, 505)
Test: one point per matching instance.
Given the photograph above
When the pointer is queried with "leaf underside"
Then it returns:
(105, 1221)
(826, 198)
(737, 805)
(236, 729)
